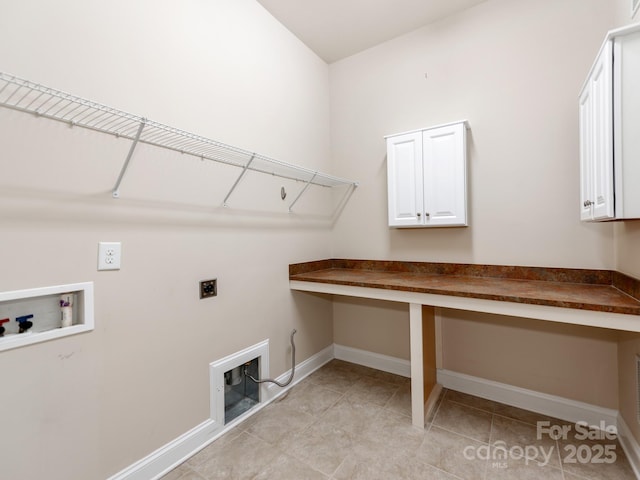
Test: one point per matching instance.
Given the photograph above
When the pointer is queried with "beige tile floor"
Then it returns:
(348, 422)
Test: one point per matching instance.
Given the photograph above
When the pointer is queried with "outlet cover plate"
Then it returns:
(109, 255)
(209, 288)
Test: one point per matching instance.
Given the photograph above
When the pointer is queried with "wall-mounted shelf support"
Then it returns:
(235, 184)
(304, 189)
(26, 96)
(116, 188)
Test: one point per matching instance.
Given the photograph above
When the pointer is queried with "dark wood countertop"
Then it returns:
(598, 290)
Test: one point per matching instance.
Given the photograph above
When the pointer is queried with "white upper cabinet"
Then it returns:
(426, 176)
(609, 130)
(404, 177)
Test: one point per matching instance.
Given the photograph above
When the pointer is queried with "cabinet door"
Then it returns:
(586, 155)
(444, 176)
(601, 86)
(596, 141)
(404, 179)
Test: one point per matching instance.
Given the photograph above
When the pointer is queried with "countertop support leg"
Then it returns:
(417, 366)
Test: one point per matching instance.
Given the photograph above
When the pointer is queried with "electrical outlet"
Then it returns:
(109, 255)
(209, 288)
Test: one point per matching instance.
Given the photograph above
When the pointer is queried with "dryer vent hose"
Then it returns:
(293, 367)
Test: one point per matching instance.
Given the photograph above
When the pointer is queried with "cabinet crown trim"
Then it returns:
(464, 122)
(609, 37)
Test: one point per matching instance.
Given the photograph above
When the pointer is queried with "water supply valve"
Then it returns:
(2, 329)
(23, 323)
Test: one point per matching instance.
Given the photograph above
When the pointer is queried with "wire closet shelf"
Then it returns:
(26, 96)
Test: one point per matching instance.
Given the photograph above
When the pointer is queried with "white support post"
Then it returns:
(417, 367)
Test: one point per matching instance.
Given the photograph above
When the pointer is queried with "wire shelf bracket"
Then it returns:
(116, 188)
(29, 97)
(304, 189)
(235, 184)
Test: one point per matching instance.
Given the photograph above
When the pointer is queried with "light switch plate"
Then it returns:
(109, 255)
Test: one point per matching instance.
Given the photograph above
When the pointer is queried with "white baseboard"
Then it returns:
(551, 405)
(169, 456)
(177, 451)
(385, 363)
(164, 459)
(630, 445)
(303, 370)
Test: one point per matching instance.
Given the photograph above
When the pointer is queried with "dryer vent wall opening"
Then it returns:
(240, 393)
(232, 393)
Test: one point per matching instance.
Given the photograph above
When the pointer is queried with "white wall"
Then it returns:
(87, 406)
(541, 356)
(513, 69)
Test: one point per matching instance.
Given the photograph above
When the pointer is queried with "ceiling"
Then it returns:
(336, 29)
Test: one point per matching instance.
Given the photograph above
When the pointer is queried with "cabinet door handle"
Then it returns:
(587, 203)
(418, 215)
(427, 215)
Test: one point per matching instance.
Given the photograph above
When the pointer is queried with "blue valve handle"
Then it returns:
(24, 323)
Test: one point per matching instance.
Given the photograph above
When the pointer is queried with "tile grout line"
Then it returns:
(491, 439)
(564, 477)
